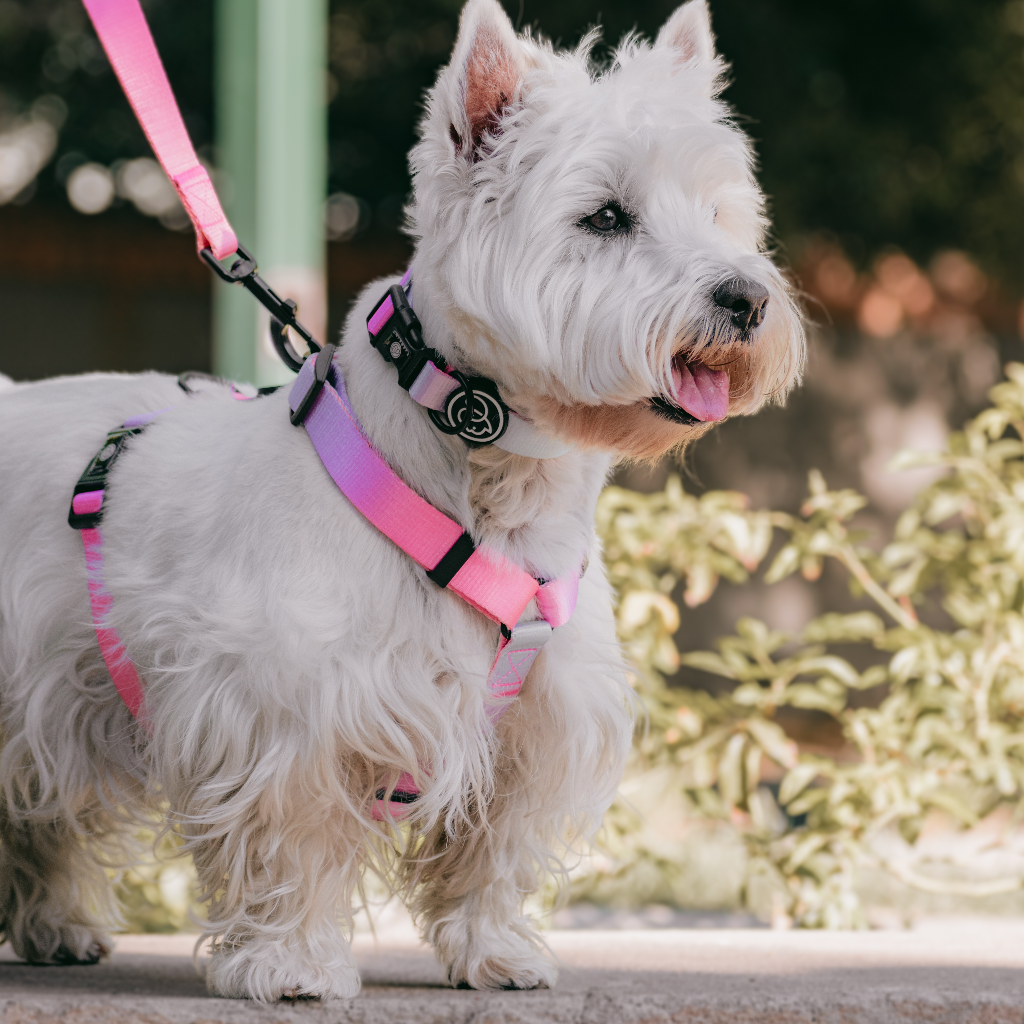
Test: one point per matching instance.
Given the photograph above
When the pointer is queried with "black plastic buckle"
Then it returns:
(321, 371)
(95, 476)
(282, 311)
(452, 561)
(400, 340)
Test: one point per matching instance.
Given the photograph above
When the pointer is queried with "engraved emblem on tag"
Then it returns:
(490, 414)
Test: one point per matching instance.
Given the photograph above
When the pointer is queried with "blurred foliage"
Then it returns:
(156, 895)
(946, 730)
(896, 123)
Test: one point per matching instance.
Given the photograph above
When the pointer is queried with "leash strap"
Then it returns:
(122, 29)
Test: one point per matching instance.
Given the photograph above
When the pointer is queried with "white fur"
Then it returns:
(293, 659)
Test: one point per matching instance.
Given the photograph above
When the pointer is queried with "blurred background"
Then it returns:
(891, 145)
(891, 141)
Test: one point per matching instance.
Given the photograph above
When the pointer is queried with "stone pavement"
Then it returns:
(967, 971)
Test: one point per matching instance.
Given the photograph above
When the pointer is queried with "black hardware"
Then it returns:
(282, 311)
(321, 371)
(474, 411)
(95, 476)
(452, 561)
(400, 340)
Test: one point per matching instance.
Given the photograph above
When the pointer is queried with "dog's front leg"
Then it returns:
(469, 891)
(278, 875)
(559, 752)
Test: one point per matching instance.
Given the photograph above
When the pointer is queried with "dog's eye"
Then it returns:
(607, 220)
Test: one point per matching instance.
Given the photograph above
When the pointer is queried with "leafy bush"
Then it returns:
(945, 731)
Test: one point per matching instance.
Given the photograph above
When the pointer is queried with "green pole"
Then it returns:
(272, 117)
(291, 147)
(234, 310)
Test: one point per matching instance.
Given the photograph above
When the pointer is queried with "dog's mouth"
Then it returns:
(700, 394)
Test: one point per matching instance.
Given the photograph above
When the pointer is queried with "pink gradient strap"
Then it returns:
(122, 29)
(119, 665)
(432, 386)
(487, 581)
(556, 599)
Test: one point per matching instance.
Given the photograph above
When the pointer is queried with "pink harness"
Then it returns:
(483, 578)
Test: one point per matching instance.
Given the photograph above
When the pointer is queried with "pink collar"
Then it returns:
(396, 333)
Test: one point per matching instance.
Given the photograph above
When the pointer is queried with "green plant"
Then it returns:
(945, 731)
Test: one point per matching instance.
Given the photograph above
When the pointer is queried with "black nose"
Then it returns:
(745, 300)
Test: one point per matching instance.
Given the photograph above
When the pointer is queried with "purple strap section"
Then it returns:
(432, 386)
(145, 417)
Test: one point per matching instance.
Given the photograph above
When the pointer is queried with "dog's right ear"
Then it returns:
(488, 66)
(688, 32)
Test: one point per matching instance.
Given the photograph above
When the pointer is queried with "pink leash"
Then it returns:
(483, 578)
(121, 27)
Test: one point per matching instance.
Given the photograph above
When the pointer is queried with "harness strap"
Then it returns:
(119, 665)
(122, 29)
(484, 579)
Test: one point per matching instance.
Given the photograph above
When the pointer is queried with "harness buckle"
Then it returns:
(94, 480)
(400, 338)
(321, 371)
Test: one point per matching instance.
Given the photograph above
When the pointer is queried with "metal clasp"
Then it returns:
(282, 311)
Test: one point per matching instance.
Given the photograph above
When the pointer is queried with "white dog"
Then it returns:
(592, 240)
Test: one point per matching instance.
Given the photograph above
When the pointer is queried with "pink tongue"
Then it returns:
(702, 392)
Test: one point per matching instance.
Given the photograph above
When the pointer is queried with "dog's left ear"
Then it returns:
(488, 65)
(689, 33)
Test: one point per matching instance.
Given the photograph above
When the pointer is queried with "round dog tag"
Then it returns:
(490, 414)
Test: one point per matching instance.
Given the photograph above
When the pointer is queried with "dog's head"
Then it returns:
(593, 240)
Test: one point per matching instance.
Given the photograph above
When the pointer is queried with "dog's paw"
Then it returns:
(509, 974)
(62, 945)
(508, 960)
(272, 969)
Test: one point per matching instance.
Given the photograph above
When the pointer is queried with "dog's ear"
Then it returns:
(488, 65)
(689, 33)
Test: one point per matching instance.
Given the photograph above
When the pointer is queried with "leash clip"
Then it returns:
(282, 311)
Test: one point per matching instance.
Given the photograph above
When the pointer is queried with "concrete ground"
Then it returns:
(964, 971)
